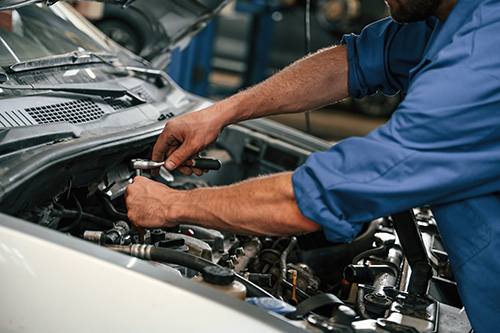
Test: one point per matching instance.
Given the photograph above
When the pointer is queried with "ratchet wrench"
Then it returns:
(200, 163)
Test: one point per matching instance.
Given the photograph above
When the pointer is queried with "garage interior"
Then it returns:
(68, 175)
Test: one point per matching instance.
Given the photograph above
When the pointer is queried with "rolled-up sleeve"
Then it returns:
(441, 145)
(383, 54)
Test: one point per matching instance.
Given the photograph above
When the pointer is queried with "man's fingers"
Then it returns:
(139, 179)
(141, 232)
(176, 151)
(159, 151)
(178, 157)
(188, 171)
(164, 146)
(198, 172)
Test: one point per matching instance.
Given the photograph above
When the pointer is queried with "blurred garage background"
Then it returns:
(248, 41)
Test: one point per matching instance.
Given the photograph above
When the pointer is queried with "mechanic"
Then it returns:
(441, 147)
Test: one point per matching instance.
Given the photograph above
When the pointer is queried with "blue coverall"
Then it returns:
(441, 146)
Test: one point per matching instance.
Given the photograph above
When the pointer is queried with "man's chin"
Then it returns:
(394, 11)
(402, 12)
(403, 18)
(391, 5)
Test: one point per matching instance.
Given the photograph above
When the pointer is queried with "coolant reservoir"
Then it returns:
(223, 279)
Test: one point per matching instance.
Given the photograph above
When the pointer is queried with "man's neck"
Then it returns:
(445, 9)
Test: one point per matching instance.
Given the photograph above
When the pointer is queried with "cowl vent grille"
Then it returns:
(118, 104)
(15, 118)
(78, 111)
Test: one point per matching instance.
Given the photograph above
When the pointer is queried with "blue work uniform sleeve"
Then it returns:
(381, 57)
(441, 145)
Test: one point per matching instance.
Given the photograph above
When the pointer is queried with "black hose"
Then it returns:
(283, 258)
(186, 260)
(111, 209)
(370, 252)
(367, 235)
(360, 304)
(107, 224)
(78, 216)
(278, 242)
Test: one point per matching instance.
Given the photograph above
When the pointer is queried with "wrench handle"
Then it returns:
(206, 163)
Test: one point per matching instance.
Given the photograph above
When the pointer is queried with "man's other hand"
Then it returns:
(147, 203)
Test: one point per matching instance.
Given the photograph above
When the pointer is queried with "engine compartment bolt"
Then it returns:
(240, 251)
(229, 263)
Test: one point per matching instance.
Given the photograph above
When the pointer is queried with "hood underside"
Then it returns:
(178, 21)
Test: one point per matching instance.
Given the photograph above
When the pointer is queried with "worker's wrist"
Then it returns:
(237, 108)
(172, 209)
(181, 206)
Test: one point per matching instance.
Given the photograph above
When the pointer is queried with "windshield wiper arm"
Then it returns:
(13, 4)
(79, 89)
(72, 58)
(78, 58)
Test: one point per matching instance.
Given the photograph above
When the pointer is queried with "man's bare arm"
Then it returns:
(311, 82)
(264, 206)
(314, 81)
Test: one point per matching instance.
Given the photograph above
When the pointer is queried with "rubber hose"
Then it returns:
(283, 257)
(370, 252)
(88, 217)
(110, 208)
(189, 261)
(360, 304)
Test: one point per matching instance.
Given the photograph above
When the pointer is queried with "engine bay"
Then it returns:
(394, 277)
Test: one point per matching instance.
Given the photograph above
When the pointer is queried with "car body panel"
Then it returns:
(75, 286)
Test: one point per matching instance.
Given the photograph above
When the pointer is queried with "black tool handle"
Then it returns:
(206, 163)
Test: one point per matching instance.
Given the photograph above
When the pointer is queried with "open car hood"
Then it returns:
(178, 20)
(12, 4)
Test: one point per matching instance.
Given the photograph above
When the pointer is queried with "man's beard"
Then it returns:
(414, 10)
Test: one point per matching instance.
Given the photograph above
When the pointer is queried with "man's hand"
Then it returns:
(147, 203)
(185, 136)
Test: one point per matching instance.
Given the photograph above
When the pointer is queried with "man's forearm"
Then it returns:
(264, 205)
(312, 82)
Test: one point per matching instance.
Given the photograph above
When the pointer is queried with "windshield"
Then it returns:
(30, 32)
